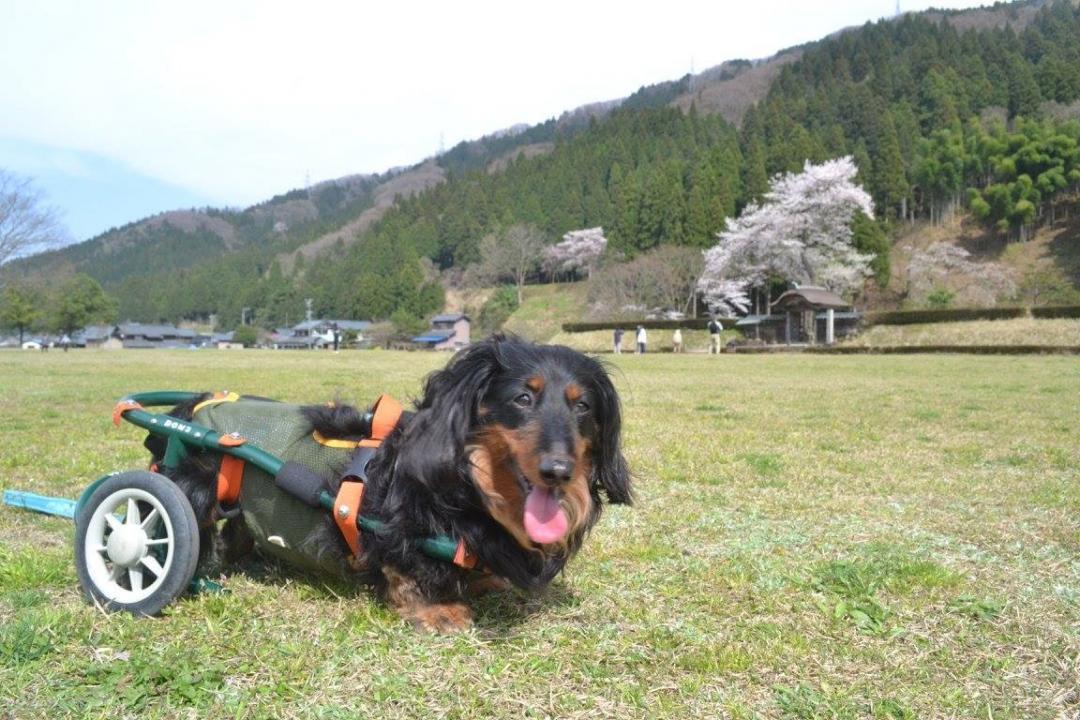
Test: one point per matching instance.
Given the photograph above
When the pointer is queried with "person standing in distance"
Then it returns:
(618, 341)
(642, 338)
(714, 336)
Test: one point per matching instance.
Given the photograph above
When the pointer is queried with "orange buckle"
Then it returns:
(385, 416)
(230, 440)
(122, 407)
(347, 511)
(230, 476)
(463, 557)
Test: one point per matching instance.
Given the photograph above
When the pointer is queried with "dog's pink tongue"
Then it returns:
(545, 520)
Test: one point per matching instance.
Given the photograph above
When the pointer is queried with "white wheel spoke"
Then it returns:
(153, 565)
(150, 520)
(129, 546)
(135, 575)
(132, 512)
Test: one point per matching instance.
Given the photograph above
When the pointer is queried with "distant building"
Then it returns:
(92, 336)
(146, 336)
(448, 332)
(814, 315)
(224, 341)
(313, 334)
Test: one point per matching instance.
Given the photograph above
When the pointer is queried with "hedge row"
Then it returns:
(913, 317)
(688, 324)
(965, 349)
(895, 317)
(1056, 311)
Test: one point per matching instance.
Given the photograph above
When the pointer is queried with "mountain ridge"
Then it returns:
(728, 89)
(736, 152)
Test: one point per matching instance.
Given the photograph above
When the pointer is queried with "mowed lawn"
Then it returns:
(815, 537)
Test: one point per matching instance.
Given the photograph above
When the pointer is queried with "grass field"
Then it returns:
(815, 537)
(1020, 331)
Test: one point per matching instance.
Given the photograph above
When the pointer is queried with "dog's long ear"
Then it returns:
(609, 466)
(434, 442)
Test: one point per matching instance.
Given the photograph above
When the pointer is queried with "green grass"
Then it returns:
(815, 537)
(545, 308)
(1020, 331)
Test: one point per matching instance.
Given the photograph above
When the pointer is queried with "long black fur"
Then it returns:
(419, 482)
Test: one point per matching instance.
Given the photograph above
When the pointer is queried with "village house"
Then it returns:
(314, 334)
(448, 332)
(138, 336)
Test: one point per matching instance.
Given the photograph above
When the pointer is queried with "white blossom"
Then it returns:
(800, 233)
(949, 267)
(578, 251)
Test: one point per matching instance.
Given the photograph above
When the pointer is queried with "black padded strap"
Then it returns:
(357, 467)
(300, 482)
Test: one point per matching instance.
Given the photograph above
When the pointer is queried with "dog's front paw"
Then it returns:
(405, 596)
(442, 618)
(483, 584)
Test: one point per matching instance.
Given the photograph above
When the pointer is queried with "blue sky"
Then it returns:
(124, 108)
(93, 193)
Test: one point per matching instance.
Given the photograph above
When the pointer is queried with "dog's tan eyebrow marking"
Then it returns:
(536, 384)
(573, 393)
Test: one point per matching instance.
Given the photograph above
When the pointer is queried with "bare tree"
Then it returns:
(662, 280)
(510, 255)
(25, 222)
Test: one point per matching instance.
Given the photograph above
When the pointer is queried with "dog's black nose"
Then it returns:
(554, 468)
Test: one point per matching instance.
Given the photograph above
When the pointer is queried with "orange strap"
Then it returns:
(463, 557)
(384, 419)
(122, 407)
(218, 397)
(230, 476)
(346, 512)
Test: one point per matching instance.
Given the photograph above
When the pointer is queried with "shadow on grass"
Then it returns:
(500, 613)
(496, 613)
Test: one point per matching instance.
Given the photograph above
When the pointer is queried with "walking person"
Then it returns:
(714, 336)
(618, 341)
(642, 338)
(676, 341)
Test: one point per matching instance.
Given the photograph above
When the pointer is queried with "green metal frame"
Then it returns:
(182, 434)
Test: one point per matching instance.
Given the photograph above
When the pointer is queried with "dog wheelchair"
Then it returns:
(136, 536)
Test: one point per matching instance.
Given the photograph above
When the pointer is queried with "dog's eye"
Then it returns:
(523, 400)
(581, 406)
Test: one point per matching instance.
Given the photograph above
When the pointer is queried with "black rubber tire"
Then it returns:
(185, 534)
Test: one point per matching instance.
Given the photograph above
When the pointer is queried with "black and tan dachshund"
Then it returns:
(513, 447)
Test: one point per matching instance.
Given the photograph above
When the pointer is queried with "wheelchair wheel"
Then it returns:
(136, 543)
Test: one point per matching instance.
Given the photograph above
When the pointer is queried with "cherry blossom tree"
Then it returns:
(578, 251)
(949, 269)
(800, 233)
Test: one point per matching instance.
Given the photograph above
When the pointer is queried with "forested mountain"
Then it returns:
(940, 111)
(182, 238)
